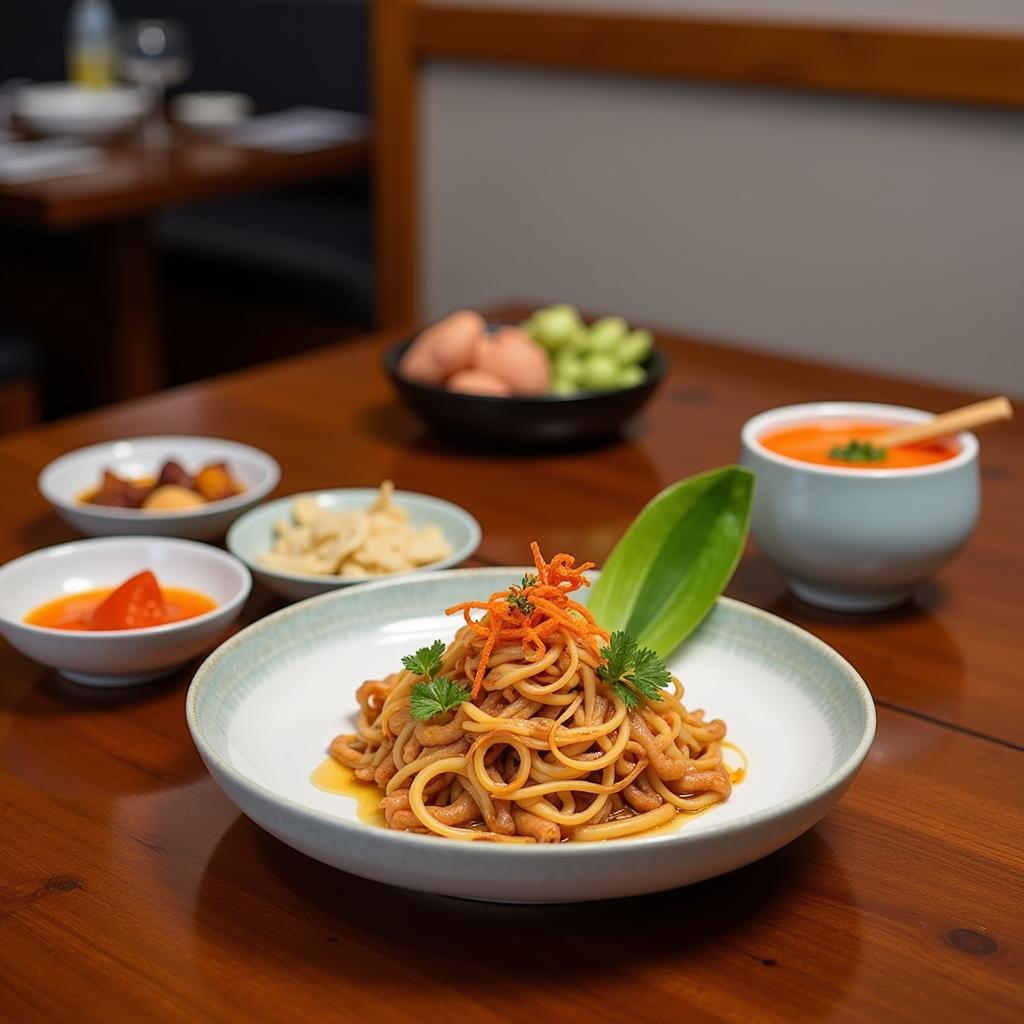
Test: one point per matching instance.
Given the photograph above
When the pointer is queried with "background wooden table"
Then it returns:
(115, 203)
(132, 889)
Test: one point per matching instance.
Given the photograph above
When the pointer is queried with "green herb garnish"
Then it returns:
(857, 451)
(518, 599)
(426, 661)
(633, 671)
(435, 698)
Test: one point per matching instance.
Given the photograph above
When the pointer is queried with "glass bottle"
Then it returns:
(91, 43)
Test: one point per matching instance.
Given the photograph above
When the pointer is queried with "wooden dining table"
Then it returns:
(115, 205)
(132, 889)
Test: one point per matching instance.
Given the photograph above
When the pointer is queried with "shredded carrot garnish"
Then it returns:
(533, 612)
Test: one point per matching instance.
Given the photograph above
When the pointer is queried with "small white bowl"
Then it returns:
(94, 115)
(858, 540)
(64, 480)
(210, 113)
(127, 656)
(253, 535)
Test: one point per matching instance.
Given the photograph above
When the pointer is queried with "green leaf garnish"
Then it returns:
(521, 602)
(426, 661)
(516, 597)
(857, 451)
(435, 698)
(633, 671)
(667, 571)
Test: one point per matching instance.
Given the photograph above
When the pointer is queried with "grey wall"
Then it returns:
(874, 233)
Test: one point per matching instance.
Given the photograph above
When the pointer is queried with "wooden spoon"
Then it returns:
(951, 422)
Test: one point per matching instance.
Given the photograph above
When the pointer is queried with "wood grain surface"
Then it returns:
(888, 61)
(130, 888)
(136, 181)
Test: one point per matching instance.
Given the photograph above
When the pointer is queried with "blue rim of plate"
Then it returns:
(838, 778)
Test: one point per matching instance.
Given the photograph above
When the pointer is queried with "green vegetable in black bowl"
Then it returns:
(602, 357)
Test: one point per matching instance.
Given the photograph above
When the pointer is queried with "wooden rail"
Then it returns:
(955, 67)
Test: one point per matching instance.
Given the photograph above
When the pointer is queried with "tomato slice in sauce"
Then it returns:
(137, 603)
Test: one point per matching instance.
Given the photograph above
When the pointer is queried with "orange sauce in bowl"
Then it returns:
(812, 442)
(136, 604)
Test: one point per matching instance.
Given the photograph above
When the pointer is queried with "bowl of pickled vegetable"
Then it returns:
(551, 380)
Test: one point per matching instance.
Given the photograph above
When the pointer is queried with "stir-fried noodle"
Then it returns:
(542, 749)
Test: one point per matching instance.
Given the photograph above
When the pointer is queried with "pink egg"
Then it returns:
(478, 382)
(443, 349)
(512, 355)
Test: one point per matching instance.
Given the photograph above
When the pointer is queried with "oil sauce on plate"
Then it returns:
(332, 776)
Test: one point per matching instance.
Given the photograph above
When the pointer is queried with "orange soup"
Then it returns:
(137, 603)
(814, 442)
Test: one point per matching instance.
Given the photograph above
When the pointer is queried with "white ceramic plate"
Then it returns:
(65, 479)
(253, 535)
(264, 706)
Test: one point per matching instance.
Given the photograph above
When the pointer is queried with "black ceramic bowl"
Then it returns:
(521, 421)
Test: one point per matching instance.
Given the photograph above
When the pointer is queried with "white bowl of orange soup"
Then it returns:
(857, 535)
(89, 609)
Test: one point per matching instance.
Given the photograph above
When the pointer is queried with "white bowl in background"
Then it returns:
(126, 656)
(65, 479)
(94, 115)
(858, 540)
(253, 535)
(264, 707)
(211, 112)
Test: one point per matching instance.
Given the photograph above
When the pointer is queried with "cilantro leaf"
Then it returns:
(649, 676)
(619, 657)
(435, 698)
(628, 695)
(857, 451)
(426, 661)
(516, 597)
(633, 671)
(521, 602)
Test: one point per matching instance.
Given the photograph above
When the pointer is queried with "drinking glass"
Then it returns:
(155, 54)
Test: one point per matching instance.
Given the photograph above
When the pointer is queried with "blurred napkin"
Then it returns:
(299, 130)
(36, 160)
